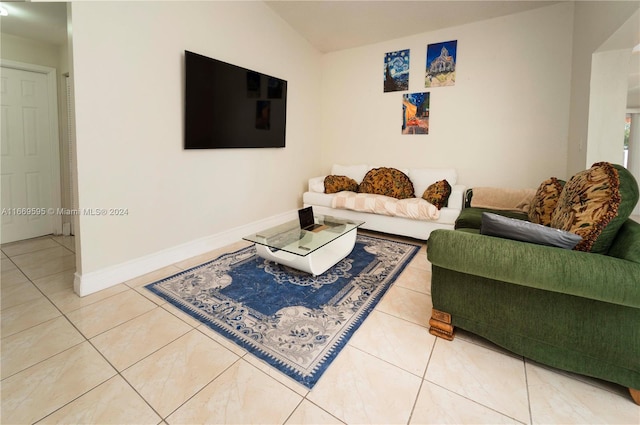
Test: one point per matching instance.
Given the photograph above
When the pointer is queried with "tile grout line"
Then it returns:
(62, 314)
(86, 339)
(475, 402)
(117, 372)
(422, 381)
(203, 387)
(526, 385)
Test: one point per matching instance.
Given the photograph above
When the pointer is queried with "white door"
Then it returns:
(26, 150)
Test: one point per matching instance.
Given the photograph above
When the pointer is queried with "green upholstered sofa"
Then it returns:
(574, 310)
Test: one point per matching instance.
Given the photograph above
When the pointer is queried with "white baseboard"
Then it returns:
(88, 283)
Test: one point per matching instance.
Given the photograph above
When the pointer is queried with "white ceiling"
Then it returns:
(329, 25)
(336, 25)
(45, 22)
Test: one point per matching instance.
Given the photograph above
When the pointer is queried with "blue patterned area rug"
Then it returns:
(296, 322)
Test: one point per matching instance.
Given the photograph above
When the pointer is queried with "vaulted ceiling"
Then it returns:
(328, 25)
(338, 25)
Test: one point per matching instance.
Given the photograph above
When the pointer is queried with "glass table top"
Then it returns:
(291, 238)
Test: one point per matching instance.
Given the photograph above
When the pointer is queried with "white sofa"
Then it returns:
(414, 228)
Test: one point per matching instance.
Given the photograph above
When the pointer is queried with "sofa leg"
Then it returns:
(635, 395)
(440, 325)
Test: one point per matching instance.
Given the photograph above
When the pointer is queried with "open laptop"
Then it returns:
(307, 222)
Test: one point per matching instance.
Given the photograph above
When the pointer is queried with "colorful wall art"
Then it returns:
(441, 64)
(396, 71)
(415, 113)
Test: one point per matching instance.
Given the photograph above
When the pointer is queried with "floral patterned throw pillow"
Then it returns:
(438, 193)
(334, 184)
(545, 200)
(389, 182)
(587, 204)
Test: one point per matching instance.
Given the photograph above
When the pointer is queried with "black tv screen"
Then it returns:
(227, 106)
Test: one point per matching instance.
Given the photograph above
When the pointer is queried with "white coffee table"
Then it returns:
(313, 252)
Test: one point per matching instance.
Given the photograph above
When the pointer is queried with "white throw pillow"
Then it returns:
(422, 178)
(356, 172)
(316, 184)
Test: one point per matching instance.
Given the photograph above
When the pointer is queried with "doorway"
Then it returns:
(30, 157)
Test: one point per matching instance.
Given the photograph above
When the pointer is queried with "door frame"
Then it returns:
(54, 135)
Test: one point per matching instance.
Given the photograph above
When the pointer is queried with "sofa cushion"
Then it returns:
(438, 193)
(356, 172)
(502, 199)
(520, 230)
(387, 181)
(334, 184)
(317, 199)
(626, 245)
(414, 208)
(595, 203)
(545, 200)
(471, 217)
(316, 184)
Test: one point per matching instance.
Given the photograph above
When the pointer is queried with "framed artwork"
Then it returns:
(441, 64)
(415, 113)
(396, 71)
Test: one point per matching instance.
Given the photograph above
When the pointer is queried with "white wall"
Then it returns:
(129, 77)
(36, 52)
(594, 24)
(612, 68)
(504, 123)
(607, 106)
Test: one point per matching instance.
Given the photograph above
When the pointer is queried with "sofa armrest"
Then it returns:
(316, 184)
(456, 199)
(583, 274)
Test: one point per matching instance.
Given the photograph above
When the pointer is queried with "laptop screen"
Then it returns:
(306, 217)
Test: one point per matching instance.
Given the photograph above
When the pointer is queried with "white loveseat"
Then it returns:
(421, 179)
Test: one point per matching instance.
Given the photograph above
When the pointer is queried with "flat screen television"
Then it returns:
(227, 106)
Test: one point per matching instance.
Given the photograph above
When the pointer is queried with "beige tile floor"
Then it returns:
(123, 356)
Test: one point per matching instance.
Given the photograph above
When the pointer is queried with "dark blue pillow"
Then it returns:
(524, 231)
